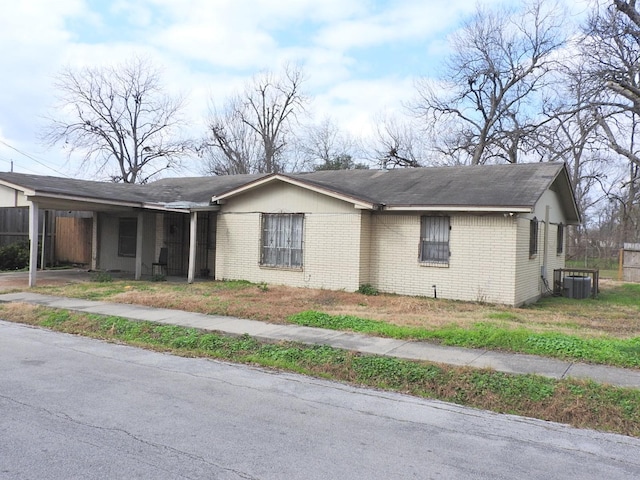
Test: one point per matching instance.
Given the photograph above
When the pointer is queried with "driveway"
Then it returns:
(10, 280)
(73, 407)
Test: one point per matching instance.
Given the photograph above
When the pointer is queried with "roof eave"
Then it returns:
(38, 196)
(459, 208)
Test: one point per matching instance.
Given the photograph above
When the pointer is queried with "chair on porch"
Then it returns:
(160, 267)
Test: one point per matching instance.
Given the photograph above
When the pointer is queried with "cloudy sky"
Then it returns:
(360, 57)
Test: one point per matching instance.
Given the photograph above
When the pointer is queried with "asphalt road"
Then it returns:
(72, 407)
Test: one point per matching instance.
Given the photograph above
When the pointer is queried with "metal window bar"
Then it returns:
(560, 239)
(434, 240)
(533, 236)
(282, 240)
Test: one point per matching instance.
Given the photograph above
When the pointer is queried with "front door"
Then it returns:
(176, 235)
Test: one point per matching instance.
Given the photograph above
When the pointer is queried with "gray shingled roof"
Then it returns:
(502, 186)
(196, 189)
(484, 185)
(76, 188)
(168, 190)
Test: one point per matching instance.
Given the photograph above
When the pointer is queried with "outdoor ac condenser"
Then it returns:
(577, 286)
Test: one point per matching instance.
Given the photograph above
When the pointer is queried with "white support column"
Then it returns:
(193, 230)
(33, 247)
(139, 232)
(94, 241)
(44, 240)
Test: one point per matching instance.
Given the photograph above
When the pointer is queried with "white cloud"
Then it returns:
(354, 104)
(360, 56)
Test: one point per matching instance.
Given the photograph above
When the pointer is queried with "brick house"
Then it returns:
(490, 233)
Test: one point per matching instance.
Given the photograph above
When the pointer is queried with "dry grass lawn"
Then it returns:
(275, 304)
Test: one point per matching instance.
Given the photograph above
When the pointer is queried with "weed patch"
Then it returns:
(610, 351)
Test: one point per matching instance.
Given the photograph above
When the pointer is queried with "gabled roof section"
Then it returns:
(298, 181)
(502, 186)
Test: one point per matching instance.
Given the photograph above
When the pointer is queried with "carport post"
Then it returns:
(33, 242)
(139, 232)
(193, 230)
(94, 241)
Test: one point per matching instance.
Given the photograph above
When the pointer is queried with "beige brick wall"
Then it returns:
(331, 254)
(345, 247)
(481, 266)
(331, 239)
(529, 271)
(365, 248)
(527, 280)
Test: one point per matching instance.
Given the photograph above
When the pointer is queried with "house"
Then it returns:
(490, 233)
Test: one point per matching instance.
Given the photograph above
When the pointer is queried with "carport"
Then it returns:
(137, 201)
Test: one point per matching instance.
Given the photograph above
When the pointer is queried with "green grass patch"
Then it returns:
(581, 403)
(505, 316)
(604, 350)
(627, 294)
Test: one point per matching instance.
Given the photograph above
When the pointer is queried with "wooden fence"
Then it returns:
(630, 262)
(73, 240)
(14, 227)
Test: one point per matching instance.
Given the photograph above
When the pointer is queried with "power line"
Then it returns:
(31, 157)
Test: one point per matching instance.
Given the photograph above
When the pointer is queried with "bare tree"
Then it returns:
(233, 148)
(486, 102)
(397, 143)
(611, 55)
(326, 147)
(252, 132)
(119, 119)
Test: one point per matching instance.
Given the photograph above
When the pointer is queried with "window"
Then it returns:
(533, 237)
(282, 240)
(434, 240)
(560, 238)
(127, 234)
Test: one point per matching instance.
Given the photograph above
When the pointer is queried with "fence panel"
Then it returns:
(631, 262)
(73, 240)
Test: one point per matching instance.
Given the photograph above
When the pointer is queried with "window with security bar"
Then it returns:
(434, 240)
(282, 240)
(533, 237)
(560, 239)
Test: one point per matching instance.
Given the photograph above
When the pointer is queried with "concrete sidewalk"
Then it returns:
(503, 362)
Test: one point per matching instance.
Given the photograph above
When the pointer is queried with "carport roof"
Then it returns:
(167, 193)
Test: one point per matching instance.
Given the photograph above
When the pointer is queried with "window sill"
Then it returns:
(433, 264)
(275, 267)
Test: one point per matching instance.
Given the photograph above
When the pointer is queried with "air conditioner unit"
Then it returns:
(577, 286)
